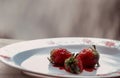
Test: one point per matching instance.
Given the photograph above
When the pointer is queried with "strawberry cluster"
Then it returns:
(75, 63)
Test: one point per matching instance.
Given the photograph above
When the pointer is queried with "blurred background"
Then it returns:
(35, 19)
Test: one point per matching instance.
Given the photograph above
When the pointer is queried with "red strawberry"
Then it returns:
(73, 65)
(89, 57)
(58, 56)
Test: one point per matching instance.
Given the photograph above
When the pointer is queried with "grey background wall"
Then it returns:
(34, 19)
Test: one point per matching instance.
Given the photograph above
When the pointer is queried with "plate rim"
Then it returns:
(5, 60)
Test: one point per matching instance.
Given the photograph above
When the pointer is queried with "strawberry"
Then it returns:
(73, 65)
(58, 56)
(89, 57)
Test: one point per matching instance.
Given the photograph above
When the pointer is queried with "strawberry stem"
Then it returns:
(94, 47)
(50, 60)
(96, 53)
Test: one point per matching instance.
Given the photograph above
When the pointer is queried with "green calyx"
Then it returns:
(71, 64)
(96, 54)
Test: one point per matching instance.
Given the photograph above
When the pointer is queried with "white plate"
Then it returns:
(31, 56)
